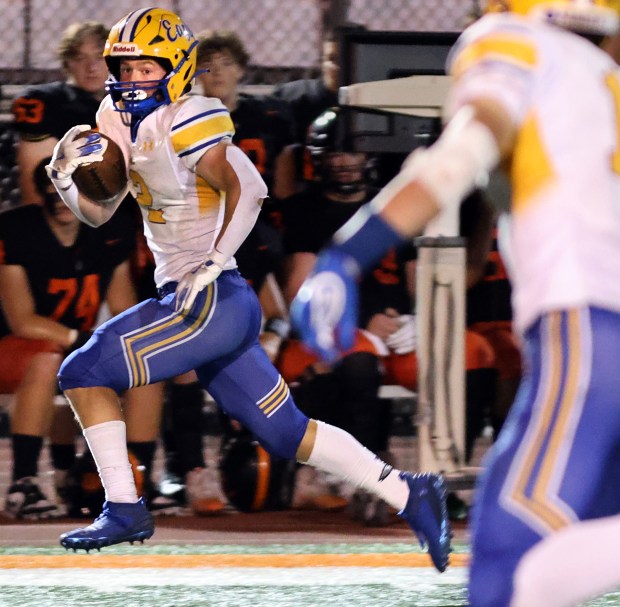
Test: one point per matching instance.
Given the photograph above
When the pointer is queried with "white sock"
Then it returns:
(108, 444)
(337, 452)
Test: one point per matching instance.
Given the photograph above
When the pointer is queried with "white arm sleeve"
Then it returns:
(253, 190)
(68, 191)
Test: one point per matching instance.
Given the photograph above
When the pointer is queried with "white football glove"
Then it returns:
(195, 281)
(70, 152)
(405, 339)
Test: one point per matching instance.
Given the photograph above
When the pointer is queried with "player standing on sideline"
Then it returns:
(513, 76)
(200, 197)
(310, 97)
(44, 113)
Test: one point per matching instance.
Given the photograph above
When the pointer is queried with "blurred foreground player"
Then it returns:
(200, 197)
(513, 74)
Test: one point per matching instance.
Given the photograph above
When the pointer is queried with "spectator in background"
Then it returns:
(345, 394)
(263, 125)
(309, 97)
(45, 112)
(55, 274)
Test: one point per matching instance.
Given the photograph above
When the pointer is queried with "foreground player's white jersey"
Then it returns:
(182, 213)
(564, 95)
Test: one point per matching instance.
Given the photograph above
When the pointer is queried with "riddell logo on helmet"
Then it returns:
(122, 48)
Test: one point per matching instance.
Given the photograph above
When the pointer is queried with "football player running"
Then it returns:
(521, 82)
(200, 196)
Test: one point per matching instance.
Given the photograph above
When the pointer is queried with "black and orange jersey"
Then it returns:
(68, 284)
(50, 110)
(311, 219)
(263, 128)
(386, 286)
(260, 254)
(490, 299)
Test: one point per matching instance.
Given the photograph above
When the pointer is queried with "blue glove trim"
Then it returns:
(370, 241)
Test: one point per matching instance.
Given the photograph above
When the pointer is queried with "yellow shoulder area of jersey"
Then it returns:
(499, 44)
(200, 124)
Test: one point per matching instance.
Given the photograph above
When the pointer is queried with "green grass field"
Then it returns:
(273, 575)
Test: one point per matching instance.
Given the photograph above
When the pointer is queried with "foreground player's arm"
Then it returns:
(19, 310)
(69, 153)
(440, 177)
(228, 169)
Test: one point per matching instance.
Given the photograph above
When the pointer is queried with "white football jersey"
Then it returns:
(563, 93)
(182, 213)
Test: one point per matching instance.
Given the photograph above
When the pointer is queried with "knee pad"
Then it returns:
(99, 363)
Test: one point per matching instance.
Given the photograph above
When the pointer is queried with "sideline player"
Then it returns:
(45, 112)
(55, 274)
(200, 196)
(310, 97)
(521, 84)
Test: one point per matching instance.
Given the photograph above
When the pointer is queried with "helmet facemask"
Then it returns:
(340, 170)
(343, 173)
(138, 98)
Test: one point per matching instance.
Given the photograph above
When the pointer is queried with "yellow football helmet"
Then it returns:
(153, 33)
(584, 16)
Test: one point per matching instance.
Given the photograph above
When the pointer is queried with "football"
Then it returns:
(102, 181)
